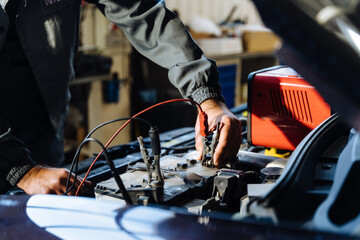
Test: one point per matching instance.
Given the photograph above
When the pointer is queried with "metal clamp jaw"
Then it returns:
(209, 148)
(155, 178)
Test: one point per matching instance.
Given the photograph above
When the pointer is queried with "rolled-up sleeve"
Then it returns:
(160, 36)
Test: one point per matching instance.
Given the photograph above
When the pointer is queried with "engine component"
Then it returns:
(180, 185)
(229, 188)
(270, 174)
(308, 176)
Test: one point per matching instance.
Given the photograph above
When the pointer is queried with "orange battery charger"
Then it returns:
(282, 108)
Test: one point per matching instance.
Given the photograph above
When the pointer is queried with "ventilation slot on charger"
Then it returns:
(291, 103)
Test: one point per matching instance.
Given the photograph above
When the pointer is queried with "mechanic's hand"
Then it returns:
(44, 180)
(230, 131)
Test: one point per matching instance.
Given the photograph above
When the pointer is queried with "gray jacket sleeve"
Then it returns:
(160, 36)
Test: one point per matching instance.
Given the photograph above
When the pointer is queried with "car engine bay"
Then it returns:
(298, 163)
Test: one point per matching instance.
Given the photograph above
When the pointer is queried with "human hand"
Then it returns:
(44, 180)
(229, 135)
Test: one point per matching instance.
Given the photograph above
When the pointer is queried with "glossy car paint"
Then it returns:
(62, 217)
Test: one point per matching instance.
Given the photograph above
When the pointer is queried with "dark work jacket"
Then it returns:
(48, 32)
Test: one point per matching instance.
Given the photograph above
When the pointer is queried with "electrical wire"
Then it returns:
(203, 129)
(76, 156)
(75, 160)
(117, 120)
(114, 172)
